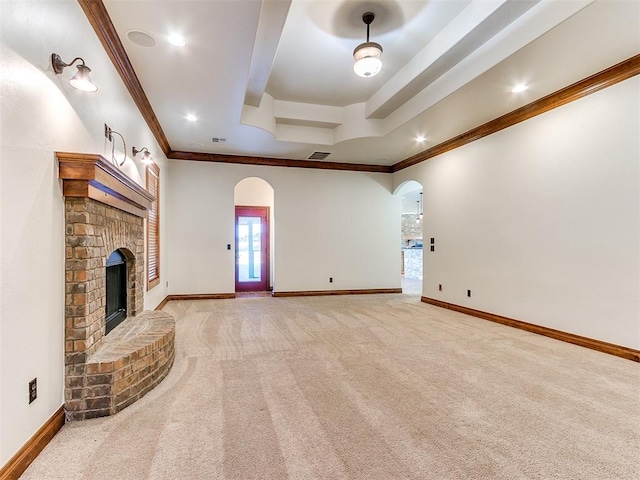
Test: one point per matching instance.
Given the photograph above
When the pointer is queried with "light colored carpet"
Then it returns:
(362, 387)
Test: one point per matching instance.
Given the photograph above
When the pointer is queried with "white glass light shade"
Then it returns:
(82, 81)
(367, 57)
(367, 67)
(146, 154)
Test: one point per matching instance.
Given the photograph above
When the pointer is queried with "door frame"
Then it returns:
(264, 214)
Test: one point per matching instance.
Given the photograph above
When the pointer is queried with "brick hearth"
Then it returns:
(104, 212)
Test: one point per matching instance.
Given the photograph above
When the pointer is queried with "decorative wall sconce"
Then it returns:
(81, 80)
(146, 154)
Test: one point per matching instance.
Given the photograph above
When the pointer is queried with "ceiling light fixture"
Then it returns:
(177, 40)
(521, 87)
(146, 154)
(81, 80)
(421, 214)
(367, 55)
(420, 139)
(191, 117)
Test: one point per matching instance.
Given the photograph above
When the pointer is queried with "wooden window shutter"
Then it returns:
(153, 227)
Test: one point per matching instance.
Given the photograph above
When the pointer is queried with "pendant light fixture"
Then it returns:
(421, 214)
(367, 55)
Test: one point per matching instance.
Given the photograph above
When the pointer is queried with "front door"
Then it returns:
(252, 249)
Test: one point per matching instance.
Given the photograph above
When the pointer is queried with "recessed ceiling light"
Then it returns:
(191, 117)
(177, 40)
(420, 138)
(521, 87)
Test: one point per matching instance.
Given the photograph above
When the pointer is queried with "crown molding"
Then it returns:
(99, 19)
(277, 162)
(606, 78)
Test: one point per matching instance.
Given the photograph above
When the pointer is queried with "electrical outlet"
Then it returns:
(33, 390)
(330, 279)
(107, 132)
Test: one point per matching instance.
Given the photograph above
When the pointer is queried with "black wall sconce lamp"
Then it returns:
(81, 80)
(146, 154)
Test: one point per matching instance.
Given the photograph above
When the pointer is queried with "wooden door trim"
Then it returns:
(266, 236)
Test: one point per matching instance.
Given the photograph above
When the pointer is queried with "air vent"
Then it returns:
(318, 155)
(219, 140)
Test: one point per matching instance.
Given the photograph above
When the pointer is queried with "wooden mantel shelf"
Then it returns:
(92, 176)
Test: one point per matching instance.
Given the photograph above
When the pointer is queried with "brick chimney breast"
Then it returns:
(104, 212)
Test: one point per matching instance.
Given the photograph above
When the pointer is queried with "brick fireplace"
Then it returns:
(104, 213)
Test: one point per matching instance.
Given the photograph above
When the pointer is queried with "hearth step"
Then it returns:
(132, 360)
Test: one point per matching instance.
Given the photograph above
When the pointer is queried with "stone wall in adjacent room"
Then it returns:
(411, 227)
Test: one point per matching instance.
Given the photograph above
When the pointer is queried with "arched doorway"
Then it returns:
(411, 237)
(254, 235)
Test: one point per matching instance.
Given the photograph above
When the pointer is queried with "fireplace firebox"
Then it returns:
(116, 296)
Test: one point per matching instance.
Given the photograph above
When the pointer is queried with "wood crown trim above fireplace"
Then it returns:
(92, 176)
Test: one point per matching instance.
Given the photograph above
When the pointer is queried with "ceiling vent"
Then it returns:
(318, 155)
(219, 140)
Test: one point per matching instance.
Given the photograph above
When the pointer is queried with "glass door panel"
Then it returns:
(251, 248)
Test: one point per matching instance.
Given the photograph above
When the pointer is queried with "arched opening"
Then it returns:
(254, 235)
(411, 237)
(116, 290)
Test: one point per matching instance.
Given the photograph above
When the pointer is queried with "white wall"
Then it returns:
(40, 114)
(541, 221)
(328, 224)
